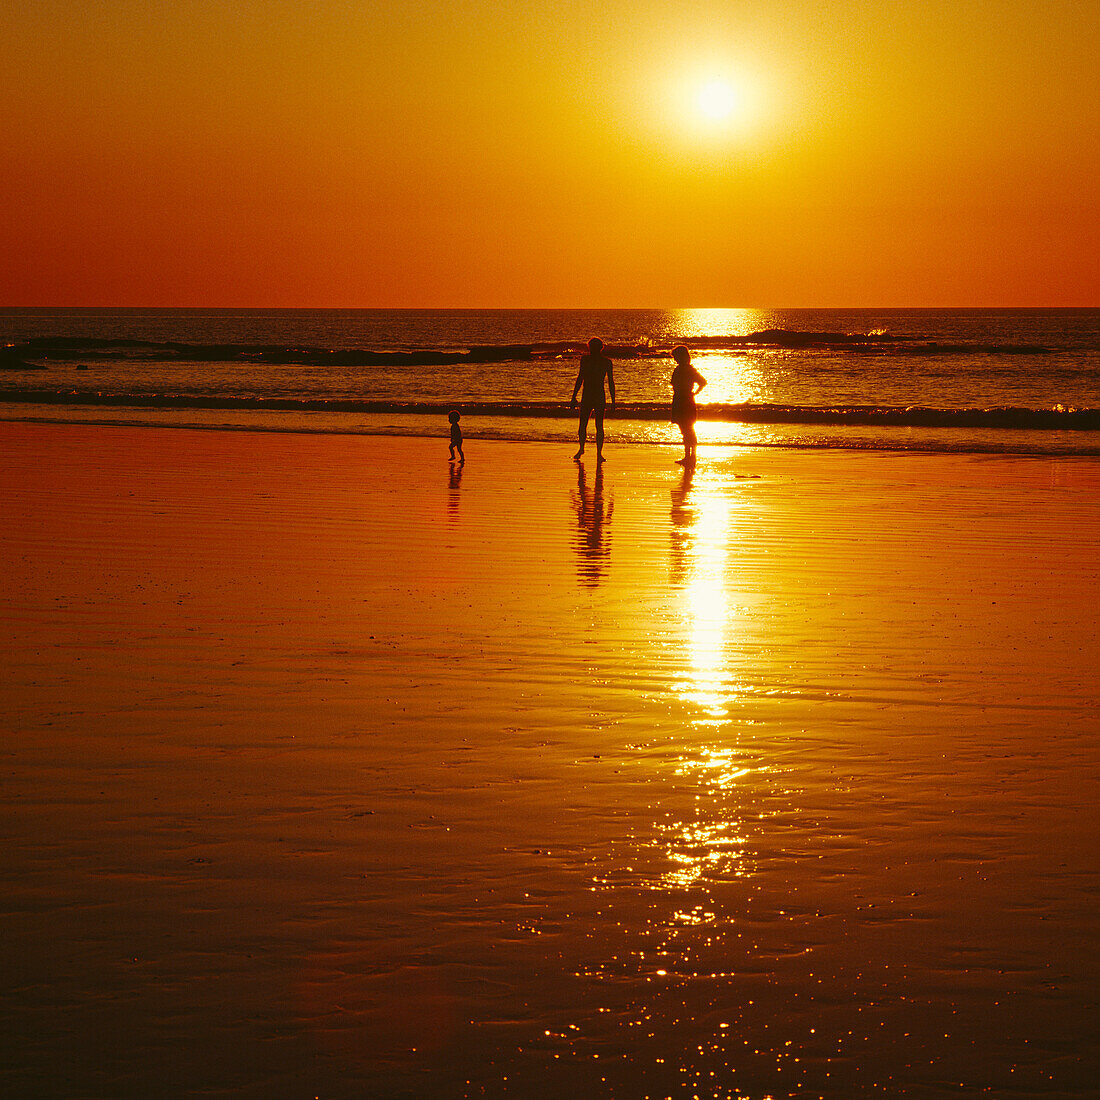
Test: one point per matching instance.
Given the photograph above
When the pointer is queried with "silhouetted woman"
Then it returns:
(686, 382)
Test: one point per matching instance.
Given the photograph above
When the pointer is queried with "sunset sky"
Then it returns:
(522, 153)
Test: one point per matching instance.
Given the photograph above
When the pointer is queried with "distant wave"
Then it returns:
(65, 348)
(1056, 418)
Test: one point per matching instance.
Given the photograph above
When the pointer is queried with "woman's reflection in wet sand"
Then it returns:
(592, 538)
(681, 523)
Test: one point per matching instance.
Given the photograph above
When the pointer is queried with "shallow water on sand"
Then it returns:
(335, 770)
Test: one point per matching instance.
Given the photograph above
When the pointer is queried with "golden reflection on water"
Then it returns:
(732, 379)
(692, 323)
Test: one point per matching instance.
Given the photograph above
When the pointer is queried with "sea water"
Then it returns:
(969, 380)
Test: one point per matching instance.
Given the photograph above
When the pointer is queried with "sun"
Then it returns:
(717, 100)
(711, 105)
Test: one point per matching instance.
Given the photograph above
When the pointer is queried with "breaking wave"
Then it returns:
(1056, 418)
(67, 348)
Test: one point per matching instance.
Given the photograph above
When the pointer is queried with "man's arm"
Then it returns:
(611, 380)
(577, 385)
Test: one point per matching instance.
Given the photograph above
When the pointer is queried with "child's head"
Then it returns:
(681, 355)
(453, 417)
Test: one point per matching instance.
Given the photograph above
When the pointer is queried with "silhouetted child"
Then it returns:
(456, 436)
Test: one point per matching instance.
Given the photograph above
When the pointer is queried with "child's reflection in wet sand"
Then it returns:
(454, 484)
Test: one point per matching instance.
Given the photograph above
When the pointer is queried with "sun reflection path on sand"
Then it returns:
(711, 845)
(681, 904)
(701, 839)
(699, 556)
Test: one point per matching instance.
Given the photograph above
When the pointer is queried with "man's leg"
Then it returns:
(582, 431)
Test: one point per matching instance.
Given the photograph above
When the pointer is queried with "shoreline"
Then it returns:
(1036, 445)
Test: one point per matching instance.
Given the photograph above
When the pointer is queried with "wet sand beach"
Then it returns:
(331, 769)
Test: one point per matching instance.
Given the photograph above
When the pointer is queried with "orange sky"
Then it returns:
(523, 153)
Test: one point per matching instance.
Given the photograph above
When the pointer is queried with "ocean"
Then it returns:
(963, 380)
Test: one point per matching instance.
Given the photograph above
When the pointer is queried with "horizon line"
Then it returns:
(517, 309)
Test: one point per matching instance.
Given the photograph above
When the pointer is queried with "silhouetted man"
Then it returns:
(594, 368)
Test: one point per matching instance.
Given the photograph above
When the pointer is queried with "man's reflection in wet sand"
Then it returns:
(681, 527)
(454, 484)
(592, 539)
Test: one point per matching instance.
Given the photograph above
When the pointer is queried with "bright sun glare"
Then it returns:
(716, 100)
